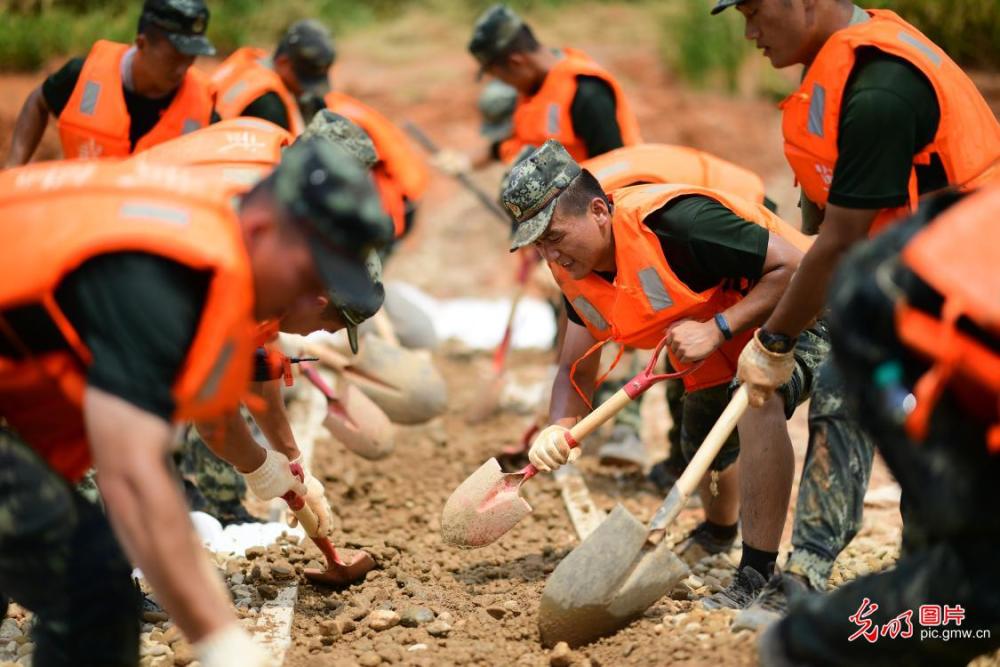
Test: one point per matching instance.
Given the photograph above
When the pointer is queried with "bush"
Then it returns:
(968, 30)
(705, 50)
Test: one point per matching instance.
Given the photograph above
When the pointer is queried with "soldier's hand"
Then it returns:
(763, 371)
(452, 162)
(232, 645)
(274, 478)
(315, 498)
(550, 451)
(691, 341)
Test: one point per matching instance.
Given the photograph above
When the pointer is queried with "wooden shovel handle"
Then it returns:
(307, 518)
(695, 470)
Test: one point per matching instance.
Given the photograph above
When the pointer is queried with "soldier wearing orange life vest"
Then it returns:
(699, 266)
(144, 313)
(123, 99)
(882, 116)
(913, 321)
(242, 151)
(562, 94)
(277, 87)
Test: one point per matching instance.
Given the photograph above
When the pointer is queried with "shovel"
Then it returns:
(353, 419)
(343, 568)
(623, 567)
(488, 503)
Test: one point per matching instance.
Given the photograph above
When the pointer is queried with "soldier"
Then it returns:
(123, 99)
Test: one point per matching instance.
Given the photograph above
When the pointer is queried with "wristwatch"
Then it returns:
(778, 343)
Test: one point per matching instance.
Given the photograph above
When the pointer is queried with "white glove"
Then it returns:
(315, 497)
(452, 162)
(550, 450)
(230, 646)
(274, 478)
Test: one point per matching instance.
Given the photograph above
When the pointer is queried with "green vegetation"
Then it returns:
(705, 50)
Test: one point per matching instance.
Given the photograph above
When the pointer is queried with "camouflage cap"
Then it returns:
(496, 104)
(345, 133)
(335, 202)
(722, 4)
(534, 187)
(521, 156)
(494, 31)
(183, 21)
(309, 46)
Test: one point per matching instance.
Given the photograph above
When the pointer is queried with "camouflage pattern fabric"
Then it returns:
(702, 408)
(345, 133)
(493, 32)
(212, 486)
(59, 559)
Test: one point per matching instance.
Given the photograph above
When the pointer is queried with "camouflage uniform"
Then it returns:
(61, 560)
(702, 408)
(949, 480)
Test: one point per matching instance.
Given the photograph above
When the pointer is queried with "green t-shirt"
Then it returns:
(704, 243)
(136, 313)
(144, 112)
(269, 107)
(888, 115)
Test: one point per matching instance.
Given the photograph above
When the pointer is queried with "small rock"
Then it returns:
(267, 591)
(357, 613)
(370, 659)
(154, 616)
(383, 619)
(330, 628)
(446, 617)
(417, 647)
(512, 606)
(254, 552)
(346, 625)
(237, 579)
(414, 616)
(561, 655)
(183, 654)
(9, 630)
(157, 649)
(438, 628)
(628, 650)
(282, 570)
(496, 612)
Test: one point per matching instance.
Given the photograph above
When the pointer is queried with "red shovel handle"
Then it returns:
(646, 378)
(313, 376)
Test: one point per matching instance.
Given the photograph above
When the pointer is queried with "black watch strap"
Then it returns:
(778, 343)
(720, 321)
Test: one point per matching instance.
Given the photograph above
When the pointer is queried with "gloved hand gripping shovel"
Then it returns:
(488, 503)
(623, 567)
(342, 568)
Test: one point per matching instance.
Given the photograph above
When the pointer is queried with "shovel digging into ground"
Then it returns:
(353, 419)
(488, 504)
(343, 567)
(623, 567)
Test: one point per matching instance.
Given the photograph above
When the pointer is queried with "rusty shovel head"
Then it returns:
(483, 507)
(609, 580)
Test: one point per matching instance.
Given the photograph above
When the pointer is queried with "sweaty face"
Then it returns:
(778, 27)
(576, 242)
(165, 65)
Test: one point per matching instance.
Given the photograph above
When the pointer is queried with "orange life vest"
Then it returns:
(646, 296)
(401, 171)
(95, 121)
(663, 163)
(968, 135)
(241, 151)
(246, 75)
(69, 212)
(546, 114)
(955, 256)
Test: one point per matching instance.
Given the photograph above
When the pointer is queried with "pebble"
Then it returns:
(439, 628)
(267, 591)
(414, 616)
(282, 570)
(9, 630)
(417, 647)
(370, 659)
(383, 619)
(172, 634)
(561, 655)
(154, 616)
(254, 552)
(330, 628)
(496, 612)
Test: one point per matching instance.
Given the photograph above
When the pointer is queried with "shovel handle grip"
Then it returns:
(695, 470)
(302, 512)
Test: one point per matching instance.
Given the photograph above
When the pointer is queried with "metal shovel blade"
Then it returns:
(484, 507)
(610, 579)
(359, 424)
(343, 567)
